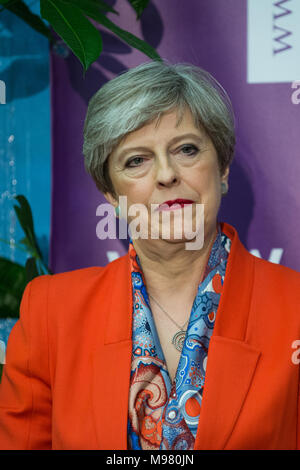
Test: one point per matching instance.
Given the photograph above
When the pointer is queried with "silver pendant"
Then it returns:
(178, 339)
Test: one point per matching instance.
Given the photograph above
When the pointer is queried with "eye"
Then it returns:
(134, 159)
(191, 149)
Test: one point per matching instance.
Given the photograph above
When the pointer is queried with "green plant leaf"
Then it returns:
(25, 218)
(4, 2)
(13, 281)
(99, 4)
(28, 245)
(31, 269)
(20, 9)
(74, 28)
(26, 214)
(139, 6)
(28, 241)
(1, 370)
(93, 12)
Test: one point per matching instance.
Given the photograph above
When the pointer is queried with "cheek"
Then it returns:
(208, 185)
(136, 191)
(213, 190)
(140, 191)
(206, 179)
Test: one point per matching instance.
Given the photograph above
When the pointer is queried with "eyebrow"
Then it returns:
(172, 141)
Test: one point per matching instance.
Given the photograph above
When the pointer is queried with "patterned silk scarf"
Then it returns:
(164, 415)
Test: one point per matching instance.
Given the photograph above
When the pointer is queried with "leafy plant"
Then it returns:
(13, 276)
(70, 19)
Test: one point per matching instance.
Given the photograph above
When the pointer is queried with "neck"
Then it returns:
(168, 266)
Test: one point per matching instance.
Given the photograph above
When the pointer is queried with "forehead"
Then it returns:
(168, 126)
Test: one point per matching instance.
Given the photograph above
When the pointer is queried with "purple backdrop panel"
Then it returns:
(263, 201)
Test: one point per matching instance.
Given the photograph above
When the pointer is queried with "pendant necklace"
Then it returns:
(178, 338)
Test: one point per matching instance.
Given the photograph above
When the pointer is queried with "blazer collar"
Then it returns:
(231, 361)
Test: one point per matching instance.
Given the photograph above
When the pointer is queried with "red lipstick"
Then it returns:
(181, 202)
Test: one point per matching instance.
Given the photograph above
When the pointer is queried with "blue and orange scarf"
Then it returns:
(164, 415)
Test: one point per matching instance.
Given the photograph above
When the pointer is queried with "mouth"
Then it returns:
(177, 203)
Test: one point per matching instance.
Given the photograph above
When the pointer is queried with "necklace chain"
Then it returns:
(169, 316)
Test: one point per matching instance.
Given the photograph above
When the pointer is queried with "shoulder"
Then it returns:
(276, 274)
(265, 272)
(64, 299)
(277, 287)
(77, 281)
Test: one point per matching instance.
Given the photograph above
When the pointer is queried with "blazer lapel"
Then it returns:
(231, 361)
(230, 368)
(112, 360)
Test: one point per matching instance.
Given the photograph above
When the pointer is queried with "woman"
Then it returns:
(167, 347)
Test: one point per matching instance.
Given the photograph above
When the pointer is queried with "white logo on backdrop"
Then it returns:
(112, 255)
(275, 255)
(296, 94)
(273, 41)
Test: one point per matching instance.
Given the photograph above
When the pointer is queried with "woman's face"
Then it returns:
(156, 164)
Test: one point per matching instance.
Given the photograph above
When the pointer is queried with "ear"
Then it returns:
(225, 175)
(109, 197)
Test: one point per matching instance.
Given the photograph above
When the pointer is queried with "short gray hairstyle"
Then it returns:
(142, 94)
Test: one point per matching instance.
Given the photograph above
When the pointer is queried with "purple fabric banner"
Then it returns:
(263, 202)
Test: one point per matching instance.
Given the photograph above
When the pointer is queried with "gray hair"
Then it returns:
(138, 96)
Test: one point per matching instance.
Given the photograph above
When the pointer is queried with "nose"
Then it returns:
(166, 172)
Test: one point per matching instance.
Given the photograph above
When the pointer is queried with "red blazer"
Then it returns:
(65, 383)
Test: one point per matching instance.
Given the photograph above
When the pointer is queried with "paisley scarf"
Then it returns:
(164, 415)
